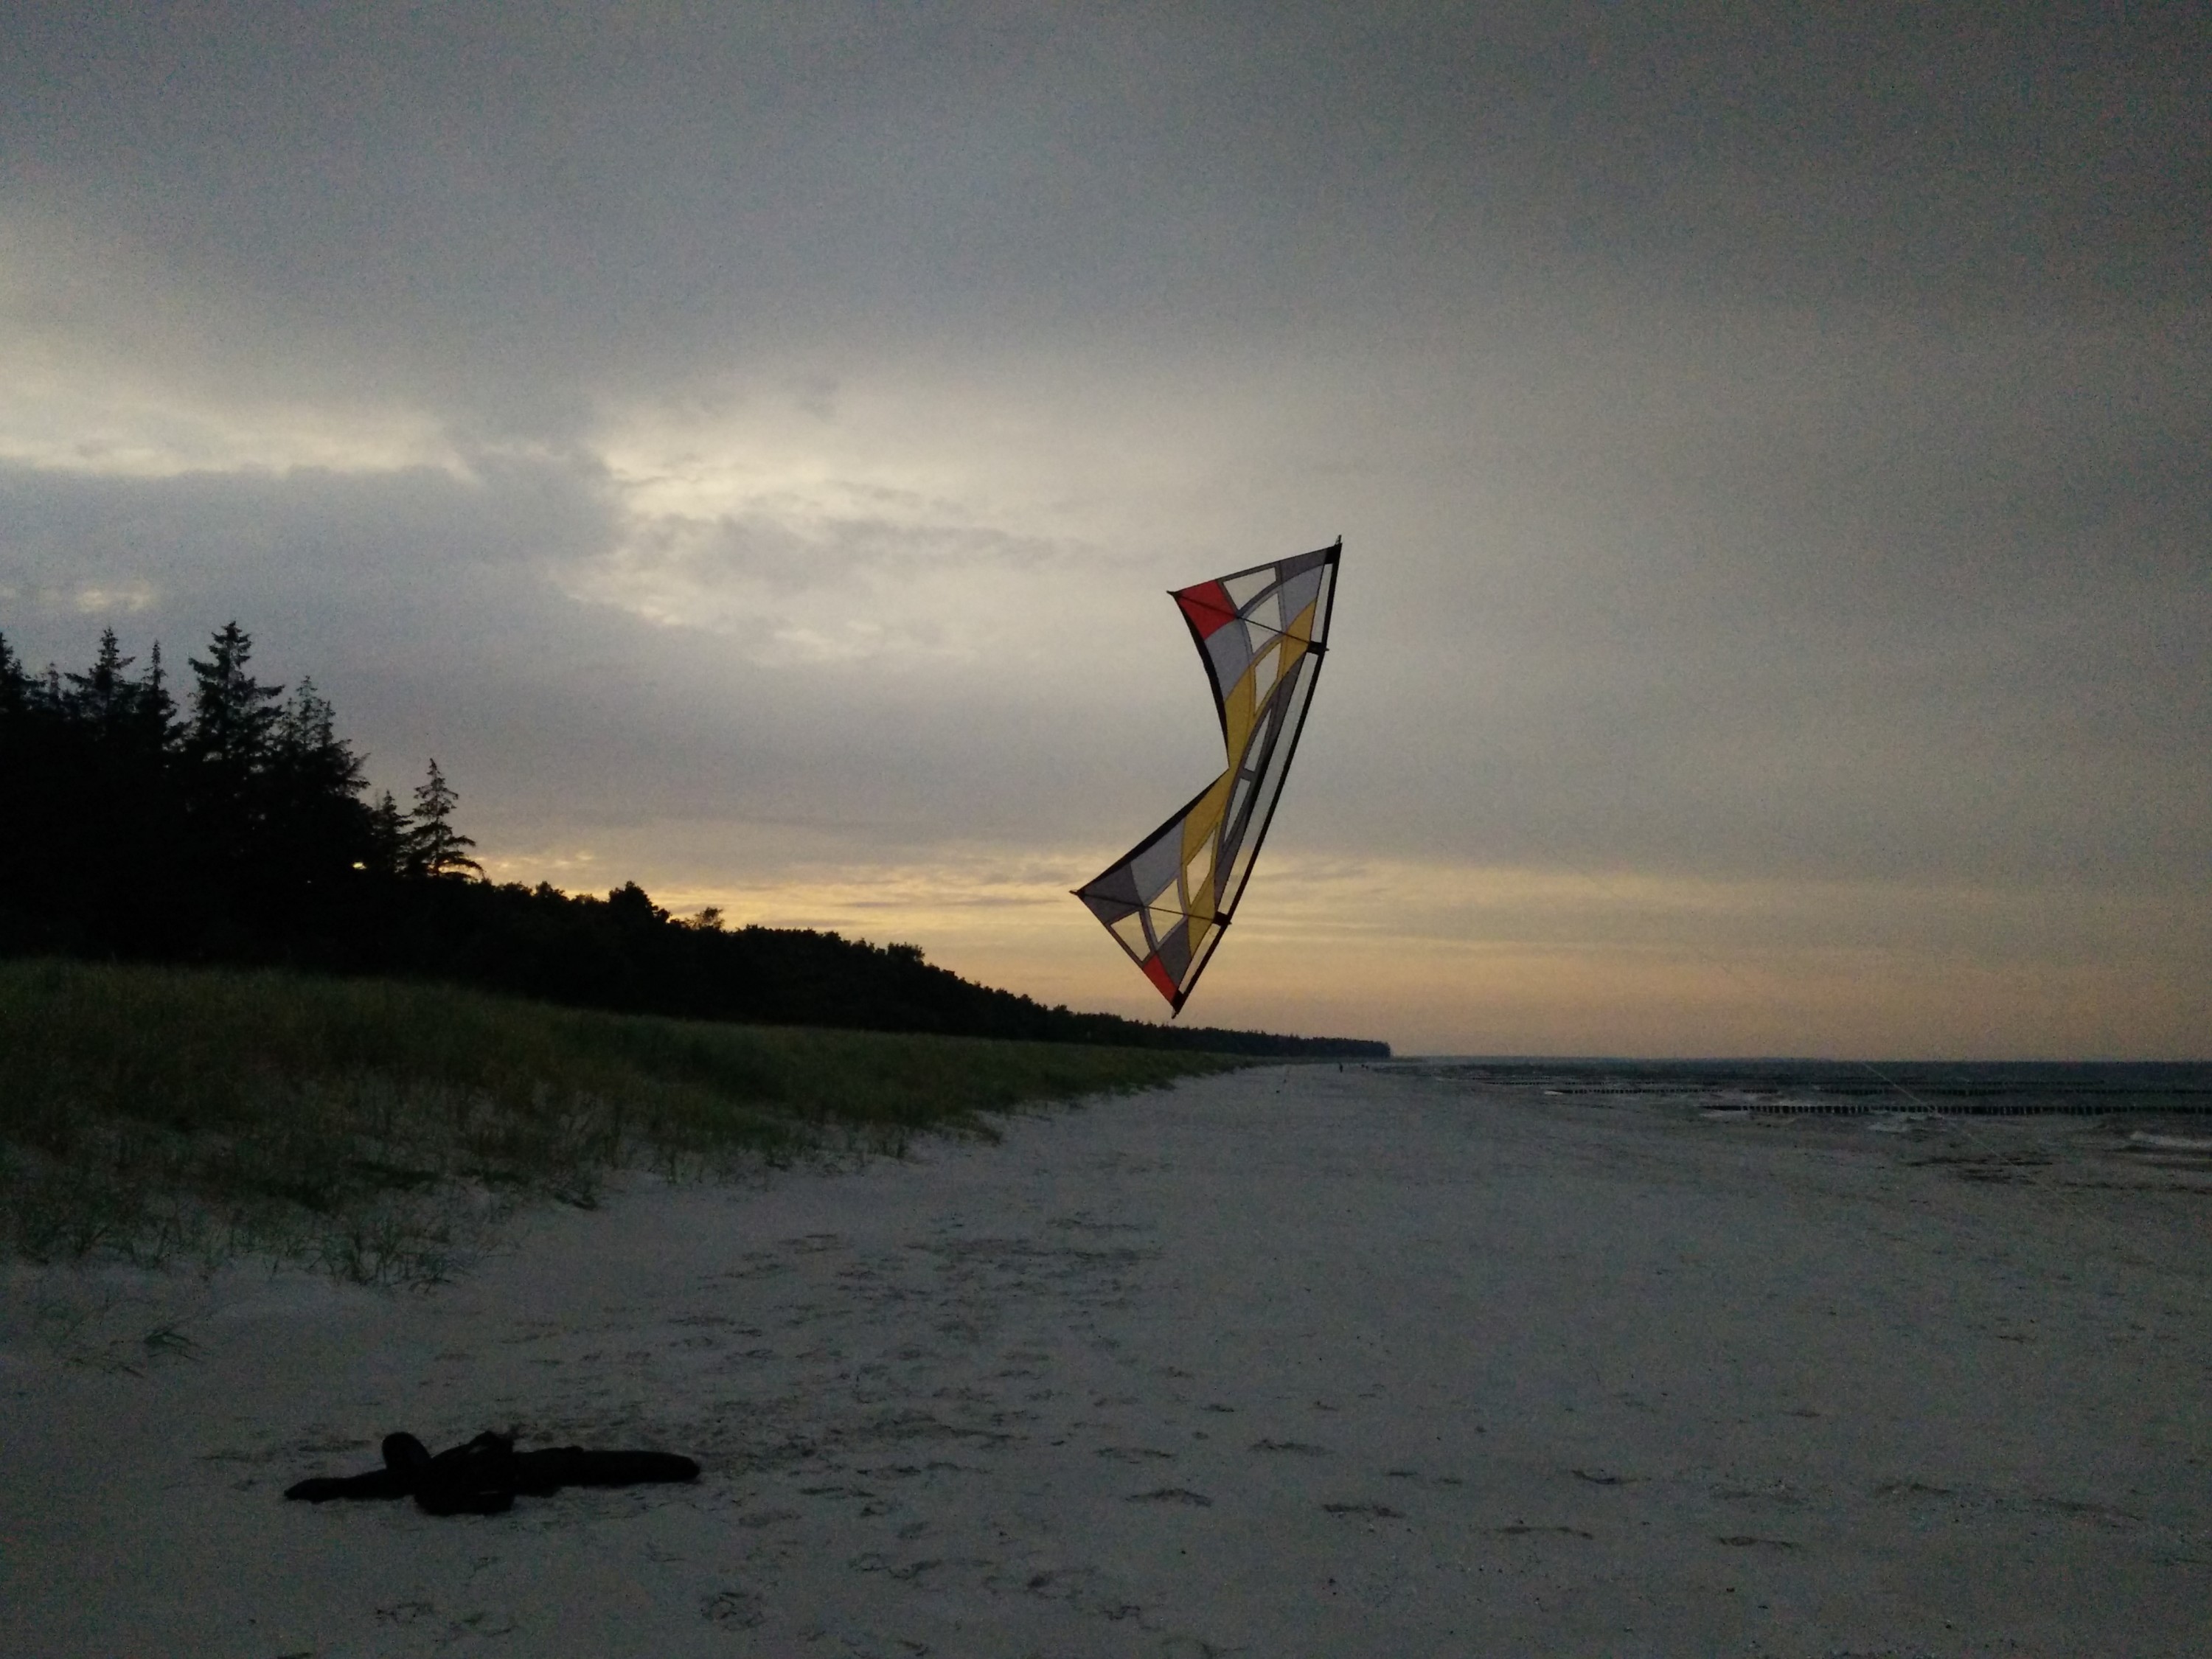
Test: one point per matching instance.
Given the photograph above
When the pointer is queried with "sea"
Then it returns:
(1849, 1087)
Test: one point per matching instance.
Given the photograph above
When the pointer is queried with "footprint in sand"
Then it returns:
(1424, 1480)
(737, 1609)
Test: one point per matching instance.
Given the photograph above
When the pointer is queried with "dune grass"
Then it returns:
(376, 1128)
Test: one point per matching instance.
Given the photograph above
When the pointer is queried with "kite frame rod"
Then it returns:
(1217, 920)
(1279, 633)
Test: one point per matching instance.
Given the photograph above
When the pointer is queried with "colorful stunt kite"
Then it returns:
(1262, 633)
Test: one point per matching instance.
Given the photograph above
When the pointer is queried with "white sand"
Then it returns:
(1277, 1363)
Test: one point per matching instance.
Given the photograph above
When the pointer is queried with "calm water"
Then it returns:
(1995, 1088)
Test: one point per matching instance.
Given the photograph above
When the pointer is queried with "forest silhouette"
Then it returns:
(237, 827)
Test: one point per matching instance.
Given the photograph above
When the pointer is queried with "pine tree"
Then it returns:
(103, 697)
(310, 785)
(100, 862)
(14, 684)
(153, 712)
(433, 847)
(388, 837)
(232, 802)
(305, 747)
(232, 714)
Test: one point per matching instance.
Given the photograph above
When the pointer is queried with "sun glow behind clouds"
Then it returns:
(110, 366)
(1438, 957)
(903, 515)
(116, 424)
(793, 577)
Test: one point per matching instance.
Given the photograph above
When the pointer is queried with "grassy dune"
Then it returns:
(375, 1129)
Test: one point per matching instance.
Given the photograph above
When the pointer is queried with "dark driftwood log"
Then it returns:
(484, 1475)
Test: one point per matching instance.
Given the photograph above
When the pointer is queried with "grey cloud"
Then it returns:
(1797, 604)
(806, 550)
(511, 210)
(1768, 440)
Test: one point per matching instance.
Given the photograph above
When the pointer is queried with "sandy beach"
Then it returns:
(1287, 1361)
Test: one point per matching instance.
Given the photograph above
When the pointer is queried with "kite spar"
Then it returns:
(1262, 633)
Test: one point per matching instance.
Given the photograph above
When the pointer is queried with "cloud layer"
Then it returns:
(751, 447)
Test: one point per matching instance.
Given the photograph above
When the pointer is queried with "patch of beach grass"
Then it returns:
(377, 1128)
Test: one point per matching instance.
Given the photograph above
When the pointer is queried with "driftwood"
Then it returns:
(486, 1475)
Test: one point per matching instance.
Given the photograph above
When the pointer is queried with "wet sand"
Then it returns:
(1286, 1362)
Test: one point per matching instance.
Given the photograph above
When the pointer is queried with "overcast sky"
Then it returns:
(748, 446)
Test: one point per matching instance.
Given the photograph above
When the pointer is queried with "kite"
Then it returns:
(1262, 633)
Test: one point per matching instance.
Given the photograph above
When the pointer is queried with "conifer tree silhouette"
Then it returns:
(388, 837)
(232, 714)
(433, 847)
(103, 696)
(15, 683)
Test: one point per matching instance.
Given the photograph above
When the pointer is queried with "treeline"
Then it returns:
(237, 827)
